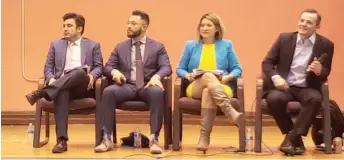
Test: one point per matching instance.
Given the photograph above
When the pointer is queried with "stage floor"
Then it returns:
(15, 144)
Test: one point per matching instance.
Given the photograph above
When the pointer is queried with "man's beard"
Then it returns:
(135, 34)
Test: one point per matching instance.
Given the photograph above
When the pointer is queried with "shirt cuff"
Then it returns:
(274, 77)
(113, 72)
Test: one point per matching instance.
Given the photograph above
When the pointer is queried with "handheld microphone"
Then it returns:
(320, 59)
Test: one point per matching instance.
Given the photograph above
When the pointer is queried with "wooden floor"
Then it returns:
(15, 144)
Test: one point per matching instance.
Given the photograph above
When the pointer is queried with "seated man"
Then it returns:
(136, 67)
(294, 69)
(72, 65)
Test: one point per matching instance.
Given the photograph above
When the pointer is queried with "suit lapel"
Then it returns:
(317, 48)
(291, 50)
(128, 53)
(64, 52)
(147, 50)
(83, 50)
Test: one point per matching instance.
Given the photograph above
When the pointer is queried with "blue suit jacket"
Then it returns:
(226, 59)
(90, 55)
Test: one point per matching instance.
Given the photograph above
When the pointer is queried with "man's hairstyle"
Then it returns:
(144, 16)
(79, 20)
(315, 12)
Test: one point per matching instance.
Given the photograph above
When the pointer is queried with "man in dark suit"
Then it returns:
(136, 67)
(293, 72)
(72, 65)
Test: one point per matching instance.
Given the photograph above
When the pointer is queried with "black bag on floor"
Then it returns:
(337, 124)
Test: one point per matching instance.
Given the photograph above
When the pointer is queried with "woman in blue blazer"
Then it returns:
(210, 52)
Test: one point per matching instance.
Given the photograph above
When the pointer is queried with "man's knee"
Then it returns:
(315, 98)
(277, 97)
(155, 91)
(111, 91)
(78, 73)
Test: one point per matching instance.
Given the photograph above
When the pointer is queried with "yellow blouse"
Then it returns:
(208, 62)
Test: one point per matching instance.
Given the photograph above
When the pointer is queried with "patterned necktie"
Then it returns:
(139, 66)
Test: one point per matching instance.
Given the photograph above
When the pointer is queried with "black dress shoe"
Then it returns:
(60, 147)
(299, 146)
(287, 146)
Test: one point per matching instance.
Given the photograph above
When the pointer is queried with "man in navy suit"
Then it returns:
(136, 67)
(72, 65)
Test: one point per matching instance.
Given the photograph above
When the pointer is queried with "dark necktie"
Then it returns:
(139, 66)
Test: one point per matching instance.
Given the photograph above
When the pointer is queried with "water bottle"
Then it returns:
(30, 131)
(249, 140)
(137, 138)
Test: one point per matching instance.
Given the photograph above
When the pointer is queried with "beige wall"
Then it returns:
(252, 26)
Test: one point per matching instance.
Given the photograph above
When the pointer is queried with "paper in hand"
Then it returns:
(199, 72)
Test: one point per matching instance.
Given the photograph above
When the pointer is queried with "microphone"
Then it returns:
(320, 59)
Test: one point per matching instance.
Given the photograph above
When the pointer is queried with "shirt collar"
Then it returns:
(77, 42)
(311, 38)
(143, 40)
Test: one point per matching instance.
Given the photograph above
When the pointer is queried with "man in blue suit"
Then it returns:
(135, 67)
(72, 65)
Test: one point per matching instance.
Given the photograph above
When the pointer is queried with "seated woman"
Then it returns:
(210, 52)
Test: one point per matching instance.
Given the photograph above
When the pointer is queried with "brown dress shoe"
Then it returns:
(33, 97)
(60, 147)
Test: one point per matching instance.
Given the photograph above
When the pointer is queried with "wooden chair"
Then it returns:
(79, 106)
(142, 106)
(185, 105)
(293, 108)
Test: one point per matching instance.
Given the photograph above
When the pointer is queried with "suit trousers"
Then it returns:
(310, 99)
(69, 87)
(115, 94)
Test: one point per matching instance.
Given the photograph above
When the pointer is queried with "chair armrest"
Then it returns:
(98, 90)
(177, 89)
(167, 84)
(259, 93)
(240, 93)
(325, 90)
(41, 83)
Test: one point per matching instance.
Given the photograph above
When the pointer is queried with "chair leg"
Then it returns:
(97, 129)
(47, 129)
(170, 126)
(176, 129)
(242, 137)
(114, 132)
(258, 129)
(167, 130)
(327, 130)
(181, 127)
(37, 131)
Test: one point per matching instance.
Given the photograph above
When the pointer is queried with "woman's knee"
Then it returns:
(209, 77)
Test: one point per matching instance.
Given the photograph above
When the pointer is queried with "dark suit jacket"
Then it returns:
(280, 56)
(90, 55)
(155, 60)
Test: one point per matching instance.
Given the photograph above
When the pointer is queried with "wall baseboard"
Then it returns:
(123, 117)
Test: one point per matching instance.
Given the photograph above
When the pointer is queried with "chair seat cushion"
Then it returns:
(293, 107)
(133, 106)
(74, 105)
(193, 106)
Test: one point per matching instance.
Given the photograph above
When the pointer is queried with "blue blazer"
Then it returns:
(226, 59)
